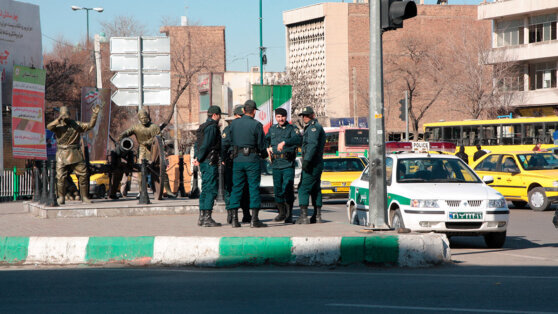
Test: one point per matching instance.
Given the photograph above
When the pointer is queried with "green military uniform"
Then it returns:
(313, 143)
(226, 157)
(248, 142)
(283, 164)
(69, 156)
(206, 152)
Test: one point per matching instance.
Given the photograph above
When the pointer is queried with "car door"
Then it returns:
(361, 197)
(491, 166)
(511, 180)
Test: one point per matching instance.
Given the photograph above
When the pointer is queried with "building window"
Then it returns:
(509, 33)
(512, 83)
(543, 75)
(542, 28)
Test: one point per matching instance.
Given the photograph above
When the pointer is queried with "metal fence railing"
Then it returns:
(16, 184)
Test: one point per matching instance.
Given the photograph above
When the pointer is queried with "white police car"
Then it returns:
(434, 193)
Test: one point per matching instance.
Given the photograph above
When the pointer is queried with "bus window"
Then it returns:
(433, 134)
(470, 135)
(332, 143)
(489, 135)
(511, 134)
(533, 133)
(452, 134)
(356, 137)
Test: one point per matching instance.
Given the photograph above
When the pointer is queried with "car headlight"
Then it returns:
(425, 203)
(92, 182)
(325, 183)
(555, 183)
(499, 203)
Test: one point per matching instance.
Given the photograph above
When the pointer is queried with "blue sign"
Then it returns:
(339, 122)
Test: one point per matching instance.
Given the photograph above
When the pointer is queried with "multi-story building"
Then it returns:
(524, 32)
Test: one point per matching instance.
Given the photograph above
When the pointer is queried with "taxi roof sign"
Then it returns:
(420, 147)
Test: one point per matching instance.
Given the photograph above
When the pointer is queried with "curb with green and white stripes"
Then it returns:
(399, 250)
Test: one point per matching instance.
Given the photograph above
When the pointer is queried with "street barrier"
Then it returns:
(14, 186)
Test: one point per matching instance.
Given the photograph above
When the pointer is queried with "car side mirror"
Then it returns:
(488, 179)
(514, 171)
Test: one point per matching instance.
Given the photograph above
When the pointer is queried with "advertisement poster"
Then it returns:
(28, 119)
(96, 139)
(20, 41)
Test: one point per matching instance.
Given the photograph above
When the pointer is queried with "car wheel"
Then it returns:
(519, 204)
(396, 219)
(538, 200)
(100, 192)
(495, 240)
(352, 215)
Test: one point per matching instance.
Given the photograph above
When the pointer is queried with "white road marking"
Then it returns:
(527, 256)
(424, 308)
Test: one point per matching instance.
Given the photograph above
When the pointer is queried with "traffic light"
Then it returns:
(402, 114)
(393, 12)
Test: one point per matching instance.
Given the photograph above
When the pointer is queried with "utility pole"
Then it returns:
(377, 173)
(261, 45)
(355, 98)
(407, 115)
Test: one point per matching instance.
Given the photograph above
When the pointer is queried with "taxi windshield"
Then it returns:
(434, 170)
(343, 164)
(538, 161)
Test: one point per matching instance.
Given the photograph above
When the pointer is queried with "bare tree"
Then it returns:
(123, 26)
(483, 89)
(419, 69)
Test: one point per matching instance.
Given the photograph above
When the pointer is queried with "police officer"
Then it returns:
(282, 140)
(313, 143)
(248, 142)
(226, 157)
(206, 156)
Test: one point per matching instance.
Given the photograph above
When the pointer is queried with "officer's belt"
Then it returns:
(251, 149)
(283, 155)
(67, 147)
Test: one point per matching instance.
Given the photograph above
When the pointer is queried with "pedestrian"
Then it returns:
(282, 140)
(461, 154)
(538, 148)
(206, 155)
(479, 153)
(313, 143)
(555, 137)
(226, 157)
(248, 142)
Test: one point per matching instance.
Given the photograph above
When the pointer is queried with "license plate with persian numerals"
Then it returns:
(465, 215)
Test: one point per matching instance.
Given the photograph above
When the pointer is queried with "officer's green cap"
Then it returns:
(306, 111)
(214, 109)
(238, 109)
(250, 104)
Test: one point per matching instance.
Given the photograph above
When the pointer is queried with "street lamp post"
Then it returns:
(76, 8)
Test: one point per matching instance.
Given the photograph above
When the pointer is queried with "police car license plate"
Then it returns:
(465, 215)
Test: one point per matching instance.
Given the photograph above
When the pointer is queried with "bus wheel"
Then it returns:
(538, 200)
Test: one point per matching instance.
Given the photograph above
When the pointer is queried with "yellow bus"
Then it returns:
(498, 135)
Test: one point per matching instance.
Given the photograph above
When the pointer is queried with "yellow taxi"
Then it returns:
(98, 183)
(339, 173)
(522, 177)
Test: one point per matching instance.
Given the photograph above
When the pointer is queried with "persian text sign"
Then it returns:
(28, 106)
(97, 138)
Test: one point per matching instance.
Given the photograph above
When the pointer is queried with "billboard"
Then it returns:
(28, 118)
(97, 139)
(20, 41)
(268, 98)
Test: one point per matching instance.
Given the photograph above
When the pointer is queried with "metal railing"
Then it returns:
(14, 186)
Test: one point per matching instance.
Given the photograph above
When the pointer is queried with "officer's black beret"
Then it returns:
(281, 111)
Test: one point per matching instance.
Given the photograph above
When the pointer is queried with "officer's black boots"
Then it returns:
(288, 213)
(234, 218)
(229, 216)
(208, 221)
(256, 223)
(317, 215)
(282, 212)
(303, 217)
(200, 219)
(246, 217)
(555, 219)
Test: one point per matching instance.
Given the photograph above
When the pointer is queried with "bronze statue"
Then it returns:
(145, 132)
(69, 156)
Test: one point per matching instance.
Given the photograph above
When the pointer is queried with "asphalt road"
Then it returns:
(519, 278)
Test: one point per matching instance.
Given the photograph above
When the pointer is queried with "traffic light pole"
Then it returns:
(377, 191)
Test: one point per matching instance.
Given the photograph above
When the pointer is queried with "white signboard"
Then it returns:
(20, 41)
(143, 70)
(421, 147)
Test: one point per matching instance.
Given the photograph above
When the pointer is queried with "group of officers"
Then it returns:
(241, 148)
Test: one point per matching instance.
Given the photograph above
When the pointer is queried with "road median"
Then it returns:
(420, 250)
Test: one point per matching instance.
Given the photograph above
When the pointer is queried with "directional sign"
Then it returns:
(151, 97)
(150, 80)
(143, 70)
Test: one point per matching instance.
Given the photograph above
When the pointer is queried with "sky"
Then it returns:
(240, 18)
